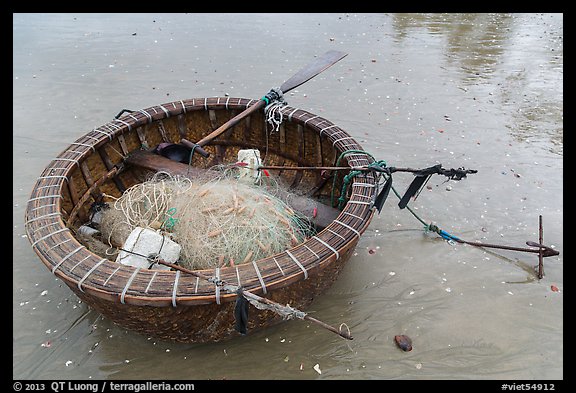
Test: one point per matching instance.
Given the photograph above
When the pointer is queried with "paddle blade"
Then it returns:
(311, 70)
(412, 190)
(381, 198)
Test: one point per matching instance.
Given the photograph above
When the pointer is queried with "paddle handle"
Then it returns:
(195, 146)
(232, 122)
(214, 134)
(310, 71)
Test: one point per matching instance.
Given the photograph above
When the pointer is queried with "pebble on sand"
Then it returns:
(404, 342)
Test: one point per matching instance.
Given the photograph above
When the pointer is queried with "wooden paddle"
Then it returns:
(305, 74)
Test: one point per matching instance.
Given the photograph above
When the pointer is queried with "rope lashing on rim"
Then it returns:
(273, 111)
(285, 311)
(380, 168)
(375, 166)
(348, 178)
(244, 297)
(261, 303)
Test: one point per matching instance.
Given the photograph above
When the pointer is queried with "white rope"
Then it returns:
(327, 245)
(77, 264)
(65, 258)
(96, 266)
(354, 215)
(41, 217)
(150, 283)
(277, 264)
(348, 226)
(50, 234)
(262, 284)
(128, 285)
(123, 122)
(165, 110)
(298, 263)
(175, 288)
(291, 113)
(309, 249)
(216, 282)
(273, 111)
(111, 275)
(86, 145)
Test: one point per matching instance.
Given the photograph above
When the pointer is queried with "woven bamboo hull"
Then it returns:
(211, 322)
(173, 305)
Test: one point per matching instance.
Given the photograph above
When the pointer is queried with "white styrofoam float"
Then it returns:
(143, 242)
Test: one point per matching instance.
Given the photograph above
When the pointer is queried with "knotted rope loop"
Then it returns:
(445, 235)
(273, 111)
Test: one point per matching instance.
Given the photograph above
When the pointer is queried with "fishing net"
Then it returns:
(217, 222)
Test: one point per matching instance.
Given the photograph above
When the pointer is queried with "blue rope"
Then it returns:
(445, 235)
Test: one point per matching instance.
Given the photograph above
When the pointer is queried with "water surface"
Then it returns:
(483, 91)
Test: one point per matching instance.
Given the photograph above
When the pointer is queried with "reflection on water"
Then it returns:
(507, 51)
(473, 41)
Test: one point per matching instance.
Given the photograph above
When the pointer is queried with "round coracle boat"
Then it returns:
(172, 304)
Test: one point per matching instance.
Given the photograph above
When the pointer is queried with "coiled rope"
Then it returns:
(273, 110)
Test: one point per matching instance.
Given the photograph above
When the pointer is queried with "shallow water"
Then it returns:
(483, 91)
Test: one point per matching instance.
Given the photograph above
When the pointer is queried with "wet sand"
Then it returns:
(483, 91)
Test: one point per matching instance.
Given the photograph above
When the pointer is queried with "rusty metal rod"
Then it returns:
(541, 248)
(332, 168)
(541, 251)
(455, 174)
(544, 250)
(310, 168)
